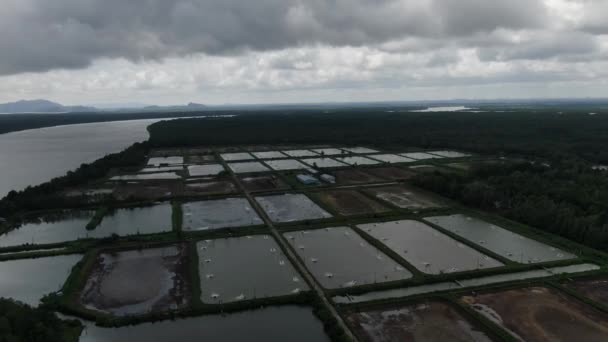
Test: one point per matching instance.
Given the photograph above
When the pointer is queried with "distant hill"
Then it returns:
(41, 106)
(45, 106)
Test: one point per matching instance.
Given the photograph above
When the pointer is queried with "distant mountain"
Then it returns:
(45, 106)
(41, 106)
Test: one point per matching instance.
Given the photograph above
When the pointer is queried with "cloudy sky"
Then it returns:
(261, 51)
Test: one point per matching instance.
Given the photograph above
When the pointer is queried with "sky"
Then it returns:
(296, 51)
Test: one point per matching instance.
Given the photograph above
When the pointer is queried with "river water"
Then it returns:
(35, 156)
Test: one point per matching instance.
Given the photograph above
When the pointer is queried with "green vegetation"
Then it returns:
(97, 218)
(22, 323)
(539, 132)
(565, 198)
(47, 196)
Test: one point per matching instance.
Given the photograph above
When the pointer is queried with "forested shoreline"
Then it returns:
(544, 134)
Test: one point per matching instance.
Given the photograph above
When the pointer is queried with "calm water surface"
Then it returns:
(286, 323)
(35, 156)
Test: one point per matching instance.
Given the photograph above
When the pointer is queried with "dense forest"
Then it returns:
(542, 133)
(20, 122)
(21, 323)
(564, 198)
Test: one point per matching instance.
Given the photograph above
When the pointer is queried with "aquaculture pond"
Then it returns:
(236, 156)
(541, 314)
(291, 207)
(53, 228)
(300, 153)
(357, 160)
(260, 183)
(390, 172)
(243, 268)
(445, 286)
(161, 169)
(417, 322)
(147, 176)
(391, 158)
(359, 150)
(247, 167)
(205, 170)
(339, 257)
(137, 282)
(403, 197)
(222, 213)
(269, 155)
(419, 155)
(282, 323)
(499, 240)
(135, 221)
(323, 162)
(286, 164)
(350, 202)
(449, 154)
(354, 176)
(28, 280)
(427, 249)
(328, 151)
(170, 160)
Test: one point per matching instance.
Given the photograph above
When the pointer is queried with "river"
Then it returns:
(35, 156)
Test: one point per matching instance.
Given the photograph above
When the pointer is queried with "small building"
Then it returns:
(2, 220)
(328, 178)
(307, 179)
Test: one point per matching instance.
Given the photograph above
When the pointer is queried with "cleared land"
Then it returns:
(422, 322)
(541, 314)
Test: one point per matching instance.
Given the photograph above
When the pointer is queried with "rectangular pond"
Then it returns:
(147, 176)
(339, 257)
(286, 164)
(291, 207)
(357, 160)
(222, 213)
(52, 228)
(359, 150)
(135, 221)
(450, 154)
(350, 202)
(300, 153)
(137, 282)
(419, 155)
(205, 170)
(328, 151)
(161, 169)
(499, 240)
(243, 268)
(427, 249)
(269, 155)
(426, 321)
(465, 283)
(391, 158)
(323, 162)
(282, 323)
(28, 280)
(236, 156)
(170, 160)
(403, 197)
(266, 182)
(248, 167)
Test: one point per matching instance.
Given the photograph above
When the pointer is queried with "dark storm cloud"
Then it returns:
(40, 35)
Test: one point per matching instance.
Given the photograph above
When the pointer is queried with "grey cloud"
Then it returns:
(561, 46)
(40, 35)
